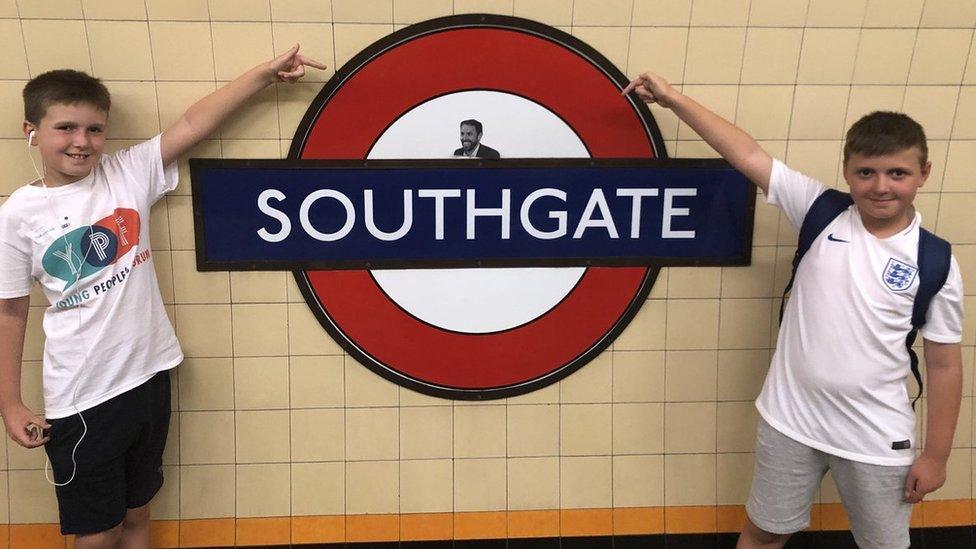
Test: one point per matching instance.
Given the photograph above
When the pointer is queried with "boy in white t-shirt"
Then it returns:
(82, 231)
(835, 397)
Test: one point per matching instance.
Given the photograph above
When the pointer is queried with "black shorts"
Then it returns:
(120, 460)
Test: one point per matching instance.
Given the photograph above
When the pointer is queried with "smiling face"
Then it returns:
(883, 188)
(469, 137)
(71, 138)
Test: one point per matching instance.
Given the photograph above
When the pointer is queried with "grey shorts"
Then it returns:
(786, 479)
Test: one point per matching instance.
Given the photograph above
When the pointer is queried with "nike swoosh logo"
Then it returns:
(832, 238)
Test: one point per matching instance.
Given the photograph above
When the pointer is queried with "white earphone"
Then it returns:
(30, 137)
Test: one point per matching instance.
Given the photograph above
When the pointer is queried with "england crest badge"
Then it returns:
(898, 276)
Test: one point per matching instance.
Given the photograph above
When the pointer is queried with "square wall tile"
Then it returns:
(260, 330)
(638, 376)
(883, 56)
(662, 13)
(479, 484)
(933, 107)
(178, 10)
(836, 13)
(756, 280)
(258, 287)
(737, 426)
(44, 54)
(550, 12)
(764, 111)
(261, 383)
(638, 428)
(818, 112)
(893, 13)
(719, 99)
(689, 479)
(533, 483)
(317, 435)
(135, 114)
(771, 56)
(646, 330)
(204, 330)
(940, 56)
(262, 436)
(112, 9)
(585, 482)
(690, 375)
(533, 430)
(293, 100)
(372, 487)
(239, 46)
(14, 62)
(301, 10)
(182, 51)
(692, 324)
(426, 432)
(240, 10)
(744, 323)
(734, 472)
(660, 49)
(960, 161)
(32, 497)
(370, 11)
(52, 9)
(318, 489)
(741, 373)
(316, 381)
(612, 42)
(714, 55)
(689, 427)
(818, 159)
(965, 122)
(955, 219)
(351, 38)
(193, 286)
(638, 481)
(602, 12)
(120, 50)
(305, 335)
(694, 282)
(585, 429)
(777, 13)
(867, 99)
(207, 491)
(591, 383)
(263, 490)
(479, 431)
(256, 119)
(948, 13)
(206, 384)
(371, 434)
(426, 486)
(720, 13)
(365, 388)
(827, 56)
(502, 7)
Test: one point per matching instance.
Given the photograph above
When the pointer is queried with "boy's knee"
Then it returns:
(754, 536)
(106, 539)
(136, 518)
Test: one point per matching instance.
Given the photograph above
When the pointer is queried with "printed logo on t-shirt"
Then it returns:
(89, 249)
(898, 276)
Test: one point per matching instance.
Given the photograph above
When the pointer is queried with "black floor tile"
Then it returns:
(639, 542)
(691, 541)
(534, 543)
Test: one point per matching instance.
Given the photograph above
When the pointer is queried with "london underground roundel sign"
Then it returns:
(476, 333)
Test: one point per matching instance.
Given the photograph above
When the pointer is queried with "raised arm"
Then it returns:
(735, 145)
(204, 116)
(17, 418)
(943, 368)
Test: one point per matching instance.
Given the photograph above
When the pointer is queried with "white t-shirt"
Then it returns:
(837, 381)
(106, 328)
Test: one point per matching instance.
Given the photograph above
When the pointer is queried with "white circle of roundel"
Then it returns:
(478, 300)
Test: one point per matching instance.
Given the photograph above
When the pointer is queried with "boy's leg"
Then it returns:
(784, 484)
(872, 496)
(108, 539)
(135, 529)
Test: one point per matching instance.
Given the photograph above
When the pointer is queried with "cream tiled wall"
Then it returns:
(274, 420)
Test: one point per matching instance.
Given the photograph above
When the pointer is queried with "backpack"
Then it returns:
(934, 256)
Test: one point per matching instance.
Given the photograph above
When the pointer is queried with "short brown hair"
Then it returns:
(66, 87)
(885, 132)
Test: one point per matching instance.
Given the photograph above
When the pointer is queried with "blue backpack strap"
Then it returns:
(824, 209)
(934, 258)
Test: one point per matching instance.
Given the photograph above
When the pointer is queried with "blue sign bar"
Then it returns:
(311, 214)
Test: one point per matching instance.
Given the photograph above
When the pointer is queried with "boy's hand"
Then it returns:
(290, 66)
(652, 89)
(24, 427)
(926, 475)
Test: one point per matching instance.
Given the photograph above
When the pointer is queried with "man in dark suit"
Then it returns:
(471, 147)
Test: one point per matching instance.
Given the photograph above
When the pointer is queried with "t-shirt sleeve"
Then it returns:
(943, 322)
(145, 162)
(15, 263)
(792, 191)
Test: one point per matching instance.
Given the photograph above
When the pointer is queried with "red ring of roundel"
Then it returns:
(375, 329)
